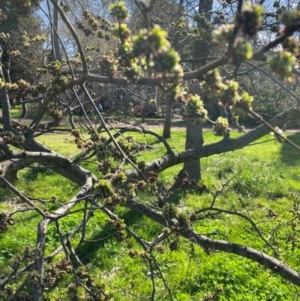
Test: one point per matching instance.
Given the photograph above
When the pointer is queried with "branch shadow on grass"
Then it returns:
(289, 155)
(106, 238)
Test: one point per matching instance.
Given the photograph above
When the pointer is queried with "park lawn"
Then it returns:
(260, 181)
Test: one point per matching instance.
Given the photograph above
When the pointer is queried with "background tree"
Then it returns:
(194, 137)
(21, 24)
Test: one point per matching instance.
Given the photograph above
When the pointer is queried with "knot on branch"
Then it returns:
(83, 191)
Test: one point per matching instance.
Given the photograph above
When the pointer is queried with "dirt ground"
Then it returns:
(179, 124)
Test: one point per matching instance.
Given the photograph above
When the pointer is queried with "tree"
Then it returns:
(147, 59)
(21, 58)
(194, 135)
(21, 24)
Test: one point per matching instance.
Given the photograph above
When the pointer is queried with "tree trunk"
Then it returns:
(4, 100)
(50, 124)
(56, 49)
(167, 122)
(24, 110)
(194, 139)
(205, 7)
(143, 112)
(194, 135)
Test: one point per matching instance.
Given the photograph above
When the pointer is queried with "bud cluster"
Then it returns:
(227, 92)
(195, 109)
(151, 46)
(250, 19)
(221, 126)
(282, 64)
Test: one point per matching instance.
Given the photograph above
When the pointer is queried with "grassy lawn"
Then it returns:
(261, 181)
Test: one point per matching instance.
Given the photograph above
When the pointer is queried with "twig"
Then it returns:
(269, 126)
(143, 131)
(242, 216)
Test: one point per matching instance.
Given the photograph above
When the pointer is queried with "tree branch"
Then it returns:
(262, 258)
(222, 146)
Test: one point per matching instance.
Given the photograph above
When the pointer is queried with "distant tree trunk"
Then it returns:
(4, 100)
(50, 124)
(71, 119)
(143, 112)
(194, 139)
(56, 48)
(24, 110)
(167, 122)
(205, 7)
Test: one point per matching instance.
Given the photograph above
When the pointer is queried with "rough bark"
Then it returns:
(14, 161)
(194, 139)
(205, 6)
(5, 104)
(260, 257)
(194, 135)
(24, 110)
(56, 49)
(167, 122)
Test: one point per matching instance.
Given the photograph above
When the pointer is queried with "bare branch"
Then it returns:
(262, 258)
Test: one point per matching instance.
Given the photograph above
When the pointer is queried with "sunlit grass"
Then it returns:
(252, 181)
(16, 111)
(63, 143)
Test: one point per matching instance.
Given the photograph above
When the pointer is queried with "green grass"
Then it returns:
(62, 144)
(254, 181)
(16, 112)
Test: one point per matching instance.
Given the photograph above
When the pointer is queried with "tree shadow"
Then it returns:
(107, 237)
(183, 186)
(87, 250)
(288, 154)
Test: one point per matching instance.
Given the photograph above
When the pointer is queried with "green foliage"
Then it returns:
(195, 109)
(282, 64)
(222, 34)
(230, 94)
(212, 85)
(221, 126)
(247, 179)
(152, 42)
(245, 102)
(21, 40)
(250, 19)
(290, 18)
(227, 92)
(292, 45)
(16, 7)
(122, 31)
(119, 11)
(243, 49)
(103, 189)
(166, 61)
(160, 58)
